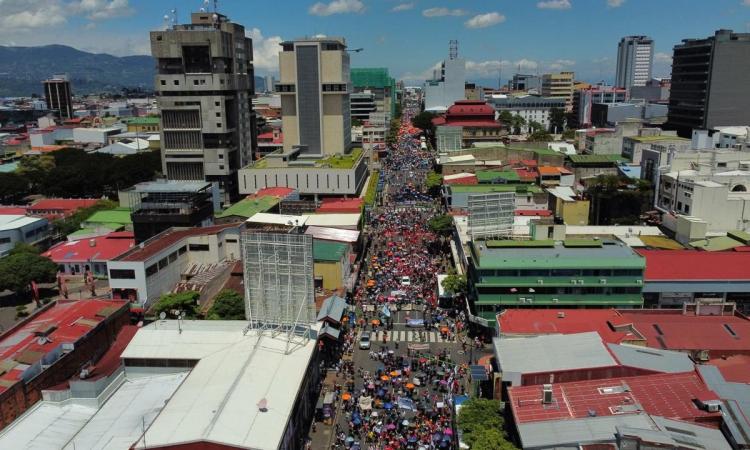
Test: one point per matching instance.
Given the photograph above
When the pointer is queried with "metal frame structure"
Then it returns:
(491, 215)
(279, 286)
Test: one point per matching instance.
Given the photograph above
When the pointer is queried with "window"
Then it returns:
(217, 103)
(721, 164)
(163, 82)
(218, 124)
(163, 263)
(218, 114)
(221, 156)
(195, 82)
(176, 82)
(173, 257)
(687, 209)
(182, 250)
(198, 247)
(221, 167)
(679, 205)
(5, 240)
(231, 241)
(122, 274)
(152, 269)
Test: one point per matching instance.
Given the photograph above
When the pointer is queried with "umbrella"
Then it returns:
(390, 426)
(346, 396)
(375, 322)
(395, 373)
(381, 392)
(409, 385)
(374, 414)
(385, 378)
(405, 423)
(448, 432)
(350, 439)
(444, 330)
(388, 405)
(357, 421)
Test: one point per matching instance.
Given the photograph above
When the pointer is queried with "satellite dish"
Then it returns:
(162, 315)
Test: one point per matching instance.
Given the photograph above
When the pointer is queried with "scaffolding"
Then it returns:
(491, 215)
(279, 286)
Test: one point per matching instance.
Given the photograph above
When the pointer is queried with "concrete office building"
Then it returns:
(315, 88)
(58, 95)
(710, 82)
(530, 107)
(362, 104)
(635, 61)
(378, 81)
(448, 83)
(525, 82)
(205, 80)
(584, 99)
(559, 85)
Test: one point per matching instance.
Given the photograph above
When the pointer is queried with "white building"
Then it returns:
(154, 267)
(532, 108)
(447, 84)
(735, 137)
(23, 229)
(635, 60)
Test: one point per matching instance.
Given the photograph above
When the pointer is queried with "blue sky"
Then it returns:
(407, 36)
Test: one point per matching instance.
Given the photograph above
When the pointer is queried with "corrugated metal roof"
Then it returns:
(651, 358)
(328, 250)
(332, 308)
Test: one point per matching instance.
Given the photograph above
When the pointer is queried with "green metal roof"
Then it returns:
(375, 77)
(490, 188)
(559, 257)
(110, 216)
(548, 299)
(582, 243)
(147, 120)
(511, 243)
(717, 244)
(739, 235)
(490, 176)
(248, 207)
(595, 159)
(328, 250)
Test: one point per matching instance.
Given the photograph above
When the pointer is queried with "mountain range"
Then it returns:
(22, 70)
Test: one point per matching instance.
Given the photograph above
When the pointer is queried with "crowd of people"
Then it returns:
(406, 402)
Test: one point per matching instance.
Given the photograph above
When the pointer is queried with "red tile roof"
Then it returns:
(464, 180)
(68, 321)
(61, 205)
(533, 212)
(695, 265)
(549, 170)
(340, 205)
(527, 174)
(13, 210)
(668, 395)
(531, 322)
(170, 237)
(268, 138)
(734, 368)
(470, 108)
(280, 192)
(104, 248)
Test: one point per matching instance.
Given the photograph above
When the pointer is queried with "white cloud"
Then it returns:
(554, 4)
(403, 7)
(102, 9)
(485, 20)
(489, 68)
(618, 3)
(265, 50)
(662, 58)
(337, 7)
(441, 12)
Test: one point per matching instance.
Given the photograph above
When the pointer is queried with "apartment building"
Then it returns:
(559, 85)
(635, 61)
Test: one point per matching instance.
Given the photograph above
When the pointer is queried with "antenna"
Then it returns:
(174, 16)
(453, 49)
(216, 5)
(167, 21)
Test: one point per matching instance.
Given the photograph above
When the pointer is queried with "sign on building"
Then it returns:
(491, 215)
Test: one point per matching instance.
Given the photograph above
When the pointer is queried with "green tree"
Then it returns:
(481, 422)
(13, 187)
(182, 301)
(556, 120)
(24, 265)
(72, 223)
(228, 305)
(433, 183)
(535, 126)
(540, 136)
(36, 169)
(569, 134)
(454, 284)
(423, 121)
(442, 224)
(356, 122)
(517, 122)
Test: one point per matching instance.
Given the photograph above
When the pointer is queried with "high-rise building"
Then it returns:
(635, 61)
(710, 82)
(525, 82)
(447, 85)
(315, 86)
(205, 81)
(58, 96)
(378, 81)
(584, 99)
(559, 85)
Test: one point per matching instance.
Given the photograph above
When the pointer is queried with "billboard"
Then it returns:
(279, 282)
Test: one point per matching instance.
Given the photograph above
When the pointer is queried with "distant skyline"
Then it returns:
(407, 37)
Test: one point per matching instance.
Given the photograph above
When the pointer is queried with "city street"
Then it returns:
(396, 390)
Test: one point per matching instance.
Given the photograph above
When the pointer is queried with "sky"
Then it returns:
(409, 37)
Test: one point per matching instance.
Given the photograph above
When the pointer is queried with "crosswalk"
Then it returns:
(406, 336)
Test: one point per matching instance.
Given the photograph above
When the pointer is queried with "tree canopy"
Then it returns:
(24, 265)
(556, 120)
(442, 224)
(423, 121)
(433, 183)
(72, 223)
(481, 423)
(454, 284)
(182, 301)
(228, 305)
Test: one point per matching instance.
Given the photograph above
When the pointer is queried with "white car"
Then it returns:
(364, 341)
(405, 281)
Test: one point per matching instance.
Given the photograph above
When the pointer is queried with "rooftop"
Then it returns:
(564, 254)
(101, 248)
(649, 139)
(170, 237)
(492, 176)
(249, 206)
(145, 120)
(12, 222)
(670, 395)
(234, 373)
(328, 250)
(595, 159)
(170, 186)
(694, 265)
(341, 205)
(531, 322)
(333, 234)
(62, 204)
(111, 216)
(22, 348)
(489, 188)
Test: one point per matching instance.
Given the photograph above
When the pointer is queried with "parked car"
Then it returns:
(405, 281)
(364, 341)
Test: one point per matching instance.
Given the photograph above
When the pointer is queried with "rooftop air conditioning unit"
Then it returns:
(703, 355)
(560, 314)
(573, 281)
(555, 300)
(547, 394)
(603, 281)
(639, 281)
(540, 281)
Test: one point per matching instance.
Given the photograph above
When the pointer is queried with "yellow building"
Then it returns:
(559, 85)
(148, 124)
(567, 207)
(331, 264)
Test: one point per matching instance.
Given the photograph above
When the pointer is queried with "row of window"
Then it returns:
(537, 290)
(562, 273)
